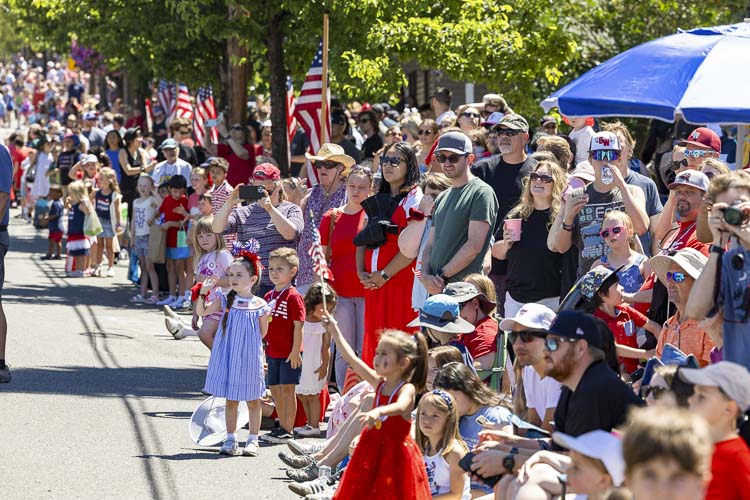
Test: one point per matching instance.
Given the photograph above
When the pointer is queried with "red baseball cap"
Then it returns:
(705, 138)
(266, 172)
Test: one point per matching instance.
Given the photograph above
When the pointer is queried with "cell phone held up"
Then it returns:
(252, 193)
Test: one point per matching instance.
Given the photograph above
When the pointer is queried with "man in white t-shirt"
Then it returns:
(527, 332)
(172, 166)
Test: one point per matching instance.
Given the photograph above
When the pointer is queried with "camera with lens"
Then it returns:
(734, 215)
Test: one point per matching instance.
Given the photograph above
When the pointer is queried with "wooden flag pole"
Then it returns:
(324, 82)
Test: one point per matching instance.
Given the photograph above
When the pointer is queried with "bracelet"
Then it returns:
(567, 227)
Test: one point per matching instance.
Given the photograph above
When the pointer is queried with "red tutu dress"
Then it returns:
(389, 306)
(387, 463)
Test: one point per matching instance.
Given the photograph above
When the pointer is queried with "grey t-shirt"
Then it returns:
(454, 209)
(653, 202)
(588, 223)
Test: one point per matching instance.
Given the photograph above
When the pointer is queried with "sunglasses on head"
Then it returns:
(393, 161)
(553, 343)
(467, 114)
(613, 230)
(507, 132)
(697, 153)
(546, 179)
(526, 336)
(327, 165)
(425, 132)
(605, 155)
(453, 159)
(676, 276)
(678, 164)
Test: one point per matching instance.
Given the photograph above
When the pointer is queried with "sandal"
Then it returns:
(138, 299)
(151, 300)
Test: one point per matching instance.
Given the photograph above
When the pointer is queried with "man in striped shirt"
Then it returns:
(221, 191)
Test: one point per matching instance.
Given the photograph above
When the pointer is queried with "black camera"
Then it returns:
(734, 215)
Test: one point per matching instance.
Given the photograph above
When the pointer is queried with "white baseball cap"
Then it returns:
(732, 378)
(598, 444)
(533, 316)
(604, 141)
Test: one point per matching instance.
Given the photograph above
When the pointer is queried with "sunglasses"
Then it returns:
(615, 230)
(364, 120)
(676, 277)
(697, 153)
(506, 132)
(327, 165)
(393, 161)
(453, 159)
(187, 131)
(394, 134)
(526, 336)
(425, 132)
(553, 343)
(710, 175)
(677, 164)
(236, 127)
(605, 155)
(546, 179)
(467, 114)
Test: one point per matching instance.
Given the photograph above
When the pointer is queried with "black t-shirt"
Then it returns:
(506, 179)
(65, 162)
(371, 146)
(601, 401)
(534, 273)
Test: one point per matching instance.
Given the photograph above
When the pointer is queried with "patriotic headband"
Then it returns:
(445, 397)
(247, 250)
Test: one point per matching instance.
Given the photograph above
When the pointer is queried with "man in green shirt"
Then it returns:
(462, 218)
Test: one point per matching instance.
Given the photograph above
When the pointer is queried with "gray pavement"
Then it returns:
(102, 394)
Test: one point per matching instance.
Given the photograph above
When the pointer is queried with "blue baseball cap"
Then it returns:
(169, 143)
(442, 313)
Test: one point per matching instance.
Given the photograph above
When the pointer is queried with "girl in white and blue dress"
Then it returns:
(235, 368)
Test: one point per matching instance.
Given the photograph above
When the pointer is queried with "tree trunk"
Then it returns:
(278, 75)
(235, 77)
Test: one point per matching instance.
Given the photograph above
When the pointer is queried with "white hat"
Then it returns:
(598, 444)
(584, 170)
(689, 259)
(89, 159)
(532, 315)
(604, 141)
(208, 425)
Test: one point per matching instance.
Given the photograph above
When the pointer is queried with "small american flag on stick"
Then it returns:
(320, 266)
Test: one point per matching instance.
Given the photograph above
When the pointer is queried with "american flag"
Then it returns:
(184, 108)
(166, 98)
(291, 122)
(205, 110)
(320, 266)
(307, 109)
(149, 115)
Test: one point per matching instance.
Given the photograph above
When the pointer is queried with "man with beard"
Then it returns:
(527, 332)
(505, 172)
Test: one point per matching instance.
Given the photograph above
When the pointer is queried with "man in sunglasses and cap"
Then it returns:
(527, 331)
(477, 309)
(579, 223)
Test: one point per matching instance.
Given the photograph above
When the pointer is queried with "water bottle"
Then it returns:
(324, 471)
(607, 176)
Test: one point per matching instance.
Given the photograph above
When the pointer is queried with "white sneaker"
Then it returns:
(110, 272)
(229, 447)
(168, 301)
(169, 312)
(307, 431)
(174, 327)
(75, 274)
(317, 485)
(251, 449)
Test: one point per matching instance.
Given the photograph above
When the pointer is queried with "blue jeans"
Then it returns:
(350, 315)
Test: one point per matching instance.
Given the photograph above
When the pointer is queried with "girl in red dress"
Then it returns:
(388, 275)
(386, 463)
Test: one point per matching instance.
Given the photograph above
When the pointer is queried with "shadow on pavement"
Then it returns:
(169, 414)
(199, 454)
(141, 382)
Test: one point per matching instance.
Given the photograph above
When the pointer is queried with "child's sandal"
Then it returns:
(138, 299)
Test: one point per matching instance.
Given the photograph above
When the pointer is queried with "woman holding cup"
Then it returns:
(534, 272)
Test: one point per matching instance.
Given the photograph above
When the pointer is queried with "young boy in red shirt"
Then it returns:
(284, 341)
(175, 210)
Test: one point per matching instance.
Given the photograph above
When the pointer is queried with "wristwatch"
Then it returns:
(384, 275)
(509, 463)
(567, 227)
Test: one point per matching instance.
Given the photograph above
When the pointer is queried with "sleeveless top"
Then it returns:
(439, 476)
(630, 276)
(129, 183)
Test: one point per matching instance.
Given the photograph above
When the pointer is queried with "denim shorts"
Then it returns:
(107, 231)
(177, 253)
(280, 372)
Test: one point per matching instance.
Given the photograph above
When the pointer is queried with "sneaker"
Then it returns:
(168, 312)
(304, 449)
(75, 274)
(317, 485)
(123, 255)
(168, 301)
(303, 475)
(174, 327)
(277, 436)
(46, 257)
(56, 257)
(250, 449)
(110, 272)
(5, 375)
(295, 461)
(307, 431)
(229, 448)
(179, 303)
(96, 271)
(327, 494)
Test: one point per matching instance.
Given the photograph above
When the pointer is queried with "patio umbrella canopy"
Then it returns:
(701, 75)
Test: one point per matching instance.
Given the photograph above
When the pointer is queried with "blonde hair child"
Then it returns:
(436, 433)
(144, 207)
(107, 201)
(78, 245)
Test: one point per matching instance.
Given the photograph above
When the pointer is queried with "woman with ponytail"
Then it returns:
(235, 369)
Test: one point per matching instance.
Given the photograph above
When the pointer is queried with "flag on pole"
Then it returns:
(166, 98)
(307, 109)
(183, 109)
(291, 122)
(205, 110)
(320, 266)
(149, 115)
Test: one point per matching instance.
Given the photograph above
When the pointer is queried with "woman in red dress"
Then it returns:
(387, 275)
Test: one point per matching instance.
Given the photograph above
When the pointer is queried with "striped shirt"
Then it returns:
(219, 195)
(252, 221)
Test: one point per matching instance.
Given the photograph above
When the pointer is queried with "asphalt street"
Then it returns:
(102, 394)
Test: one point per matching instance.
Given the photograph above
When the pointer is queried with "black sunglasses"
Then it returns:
(393, 161)
(364, 120)
(467, 114)
(425, 131)
(236, 127)
(546, 179)
(328, 165)
(681, 163)
(453, 159)
(507, 132)
(526, 336)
